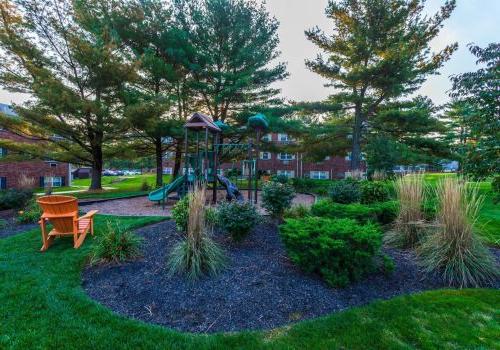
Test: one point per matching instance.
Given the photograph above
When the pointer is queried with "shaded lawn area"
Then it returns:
(44, 306)
(119, 186)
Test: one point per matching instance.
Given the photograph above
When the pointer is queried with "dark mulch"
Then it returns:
(12, 227)
(259, 289)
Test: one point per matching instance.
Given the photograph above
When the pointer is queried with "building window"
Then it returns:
(267, 137)
(168, 171)
(3, 152)
(265, 155)
(349, 156)
(286, 156)
(319, 175)
(287, 173)
(3, 183)
(53, 181)
(284, 138)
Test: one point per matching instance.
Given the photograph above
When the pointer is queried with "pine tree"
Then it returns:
(75, 79)
(480, 91)
(378, 51)
(235, 42)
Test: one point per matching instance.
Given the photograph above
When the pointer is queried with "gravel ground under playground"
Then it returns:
(259, 289)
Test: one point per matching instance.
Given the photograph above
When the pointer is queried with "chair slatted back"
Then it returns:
(60, 205)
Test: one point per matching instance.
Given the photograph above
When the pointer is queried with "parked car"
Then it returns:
(108, 172)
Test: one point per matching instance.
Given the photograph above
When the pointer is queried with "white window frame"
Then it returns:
(265, 156)
(319, 174)
(286, 156)
(284, 138)
(168, 170)
(288, 173)
(53, 181)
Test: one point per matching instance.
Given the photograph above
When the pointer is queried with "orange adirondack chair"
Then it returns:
(62, 213)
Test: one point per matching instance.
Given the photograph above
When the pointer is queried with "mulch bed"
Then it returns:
(13, 228)
(259, 289)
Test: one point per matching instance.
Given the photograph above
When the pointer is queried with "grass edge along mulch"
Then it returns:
(44, 306)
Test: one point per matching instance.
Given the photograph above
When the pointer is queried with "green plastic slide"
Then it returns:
(163, 192)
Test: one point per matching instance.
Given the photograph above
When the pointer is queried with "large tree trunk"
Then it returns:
(356, 139)
(178, 159)
(95, 182)
(159, 162)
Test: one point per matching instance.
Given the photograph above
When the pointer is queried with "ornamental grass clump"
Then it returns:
(115, 245)
(454, 250)
(410, 224)
(196, 254)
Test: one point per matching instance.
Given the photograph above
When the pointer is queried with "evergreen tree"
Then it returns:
(480, 91)
(235, 42)
(378, 52)
(75, 79)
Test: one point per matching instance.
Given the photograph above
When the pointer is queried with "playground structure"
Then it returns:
(203, 165)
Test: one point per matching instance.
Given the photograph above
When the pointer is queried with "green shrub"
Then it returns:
(14, 199)
(495, 187)
(282, 179)
(345, 191)
(383, 213)
(115, 245)
(180, 213)
(298, 211)
(340, 250)
(145, 186)
(277, 197)
(30, 214)
(237, 218)
(3, 224)
(374, 191)
(304, 185)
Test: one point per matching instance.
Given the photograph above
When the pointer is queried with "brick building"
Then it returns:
(289, 164)
(40, 172)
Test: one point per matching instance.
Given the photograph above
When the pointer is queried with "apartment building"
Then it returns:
(13, 174)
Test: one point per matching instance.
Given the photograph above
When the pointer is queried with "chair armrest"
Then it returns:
(89, 215)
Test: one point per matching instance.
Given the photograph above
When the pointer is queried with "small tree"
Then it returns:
(277, 197)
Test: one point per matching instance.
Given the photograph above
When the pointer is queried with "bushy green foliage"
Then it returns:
(115, 245)
(3, 224)
(495, 187)
(345, 191)
(340, 250)
(304, 185)
(237, 218)
(14, 199)
(374, 191)
(383, 213)
(277, 197)
(298, 211)
(283, 179)
(30, 214)
(180, 213)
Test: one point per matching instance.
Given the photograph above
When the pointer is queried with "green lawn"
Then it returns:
(43, 306)
(115, 186)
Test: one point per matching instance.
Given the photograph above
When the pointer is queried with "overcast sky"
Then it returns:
(476, 21)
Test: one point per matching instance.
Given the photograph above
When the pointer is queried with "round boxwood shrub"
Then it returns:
(180, 213)
(339, 250)
(374, 191)
(277, 197)
(345, 191)
(237, 218)
(383, 213)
